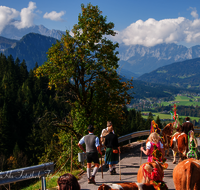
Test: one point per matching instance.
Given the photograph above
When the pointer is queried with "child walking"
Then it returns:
(154, 149)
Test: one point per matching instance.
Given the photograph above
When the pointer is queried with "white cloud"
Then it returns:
(54, 15)
(152, 32)
(194, 12)
(6, 15)
(27, 16)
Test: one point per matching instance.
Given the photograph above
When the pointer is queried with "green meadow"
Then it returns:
(179, 100)
(184, 101)
(166, 116)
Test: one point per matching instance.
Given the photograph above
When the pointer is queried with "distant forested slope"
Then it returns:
(185, 74)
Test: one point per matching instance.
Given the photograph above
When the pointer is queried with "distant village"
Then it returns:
(148, 104)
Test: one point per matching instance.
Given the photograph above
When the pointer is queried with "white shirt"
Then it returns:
(148, 146)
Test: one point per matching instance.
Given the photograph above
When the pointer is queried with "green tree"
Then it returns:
(148, 121)
(84, 66)
(159, 122)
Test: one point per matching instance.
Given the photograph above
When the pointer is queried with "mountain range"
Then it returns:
(11, 32)
(158, 64)
(135, 60)
(140, 59)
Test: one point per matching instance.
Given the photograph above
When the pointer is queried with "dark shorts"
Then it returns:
(92, 157)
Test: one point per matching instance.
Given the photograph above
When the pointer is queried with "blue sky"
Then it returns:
(145, 22)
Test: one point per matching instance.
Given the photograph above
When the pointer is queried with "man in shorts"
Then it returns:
(92, 148)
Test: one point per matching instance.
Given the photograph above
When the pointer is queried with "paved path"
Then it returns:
(130, 162)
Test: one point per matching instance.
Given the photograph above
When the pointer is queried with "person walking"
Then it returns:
(92, 148)
(187, 126)
(105, 132)
(154, 149)
(112, 150)
(193, 146)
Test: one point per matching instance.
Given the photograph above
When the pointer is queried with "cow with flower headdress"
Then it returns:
(152, 172)
(170, 129)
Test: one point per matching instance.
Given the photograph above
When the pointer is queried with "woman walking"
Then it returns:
(193, 146)
(112, 150)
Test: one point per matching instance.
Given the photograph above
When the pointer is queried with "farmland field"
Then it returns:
(161, 116)
(180, 100)
(183, 101)
(166, 116)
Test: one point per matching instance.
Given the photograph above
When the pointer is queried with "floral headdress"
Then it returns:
(154, 127)
(174, 115)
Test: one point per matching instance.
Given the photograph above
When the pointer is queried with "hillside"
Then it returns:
(6, 43)
(185, 74)
(144, 90)
(32, 48)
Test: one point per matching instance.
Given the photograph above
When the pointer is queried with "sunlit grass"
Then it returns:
(161, 116)
(183, 101)
(168, 116)
(182, 98)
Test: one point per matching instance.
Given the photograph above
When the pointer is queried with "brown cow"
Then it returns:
(143, 176)
(186, 175)
(179, 143)
(167, 134)
(133, 186)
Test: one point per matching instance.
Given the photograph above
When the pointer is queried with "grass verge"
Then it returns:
(51, 180)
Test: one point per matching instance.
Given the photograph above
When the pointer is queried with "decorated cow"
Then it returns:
(133, 186)
(151, 172)
(179, 143)
(186, 175)
(166, 136)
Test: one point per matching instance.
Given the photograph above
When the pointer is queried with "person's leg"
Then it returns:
(96, 164)
(94, 173)
(89, 161)
(111, 169)
(95, 169)
(89, 171)
(106, 165)
(114, 168)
